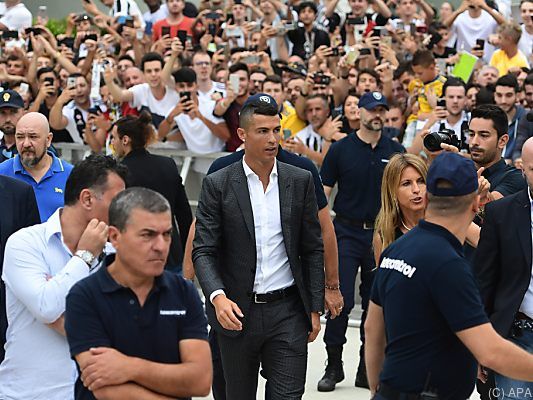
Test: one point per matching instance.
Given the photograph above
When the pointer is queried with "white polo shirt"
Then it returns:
(39, 271)
(17, 18)
(143, 98)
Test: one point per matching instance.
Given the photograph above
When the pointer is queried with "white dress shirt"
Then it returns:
(39, 271)
(273, 271)
(527, 303)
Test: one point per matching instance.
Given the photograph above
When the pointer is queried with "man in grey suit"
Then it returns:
(258, 255)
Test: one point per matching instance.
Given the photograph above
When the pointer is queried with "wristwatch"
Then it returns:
(86, 256)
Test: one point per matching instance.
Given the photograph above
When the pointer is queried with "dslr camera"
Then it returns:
(433, 140)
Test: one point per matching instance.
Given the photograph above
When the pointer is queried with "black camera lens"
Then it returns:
(433, 140)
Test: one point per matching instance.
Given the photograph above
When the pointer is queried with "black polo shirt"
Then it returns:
(428, 293)
(358, 170)
(504, 178)
(102, 313)
(285, 157)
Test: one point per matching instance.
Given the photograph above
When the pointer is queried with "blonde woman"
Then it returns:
(403, 201)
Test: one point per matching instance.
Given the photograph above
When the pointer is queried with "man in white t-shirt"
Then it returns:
(152, 96)
(474, 19)
(407, 10)
(156, 11)
(201, 131)
(526, 40)
(70, 111)
(117, 8)
(16, 16)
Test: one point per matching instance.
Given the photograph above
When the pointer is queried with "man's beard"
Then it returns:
(30, 162)
(375, 124)
(8, 128)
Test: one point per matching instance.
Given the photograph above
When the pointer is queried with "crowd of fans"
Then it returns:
(178, 75)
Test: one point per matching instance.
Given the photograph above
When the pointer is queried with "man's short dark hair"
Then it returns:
(126, 57)
(259, 108)
(529, 79)
(403, 68)
(495, 114)
(484, 96)
(368, 71)
(273, 79)
(308, 4)
(91, 173)
(148, 57)
(186, 75)
(239, 67)
(508, 80)
(45, 70)
(77, 75)
(135, 198)
(453, 82)
(423, 58)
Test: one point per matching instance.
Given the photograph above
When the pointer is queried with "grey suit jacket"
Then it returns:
(224, 249)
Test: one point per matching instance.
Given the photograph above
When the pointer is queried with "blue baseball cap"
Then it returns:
(457, 170)
(371, 100)
(259, 99)
(10, 98)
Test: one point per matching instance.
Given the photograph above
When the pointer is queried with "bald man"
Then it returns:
(503, 268)
(35, 165)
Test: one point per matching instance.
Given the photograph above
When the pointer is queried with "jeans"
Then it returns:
(507, 388)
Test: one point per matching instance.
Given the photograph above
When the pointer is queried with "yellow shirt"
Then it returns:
(290, 120)
(501, 61)
(416, 85)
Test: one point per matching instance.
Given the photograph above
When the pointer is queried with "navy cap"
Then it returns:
(10, 98)
(371, 100)
(459, 171)
(258, 99)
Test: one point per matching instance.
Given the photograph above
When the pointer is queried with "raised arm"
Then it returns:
(120, 95)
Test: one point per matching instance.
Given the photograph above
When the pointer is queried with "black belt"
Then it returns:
(263, 298)
(366, 225)
(393, 394)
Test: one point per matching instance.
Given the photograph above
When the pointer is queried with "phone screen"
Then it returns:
(234, 80)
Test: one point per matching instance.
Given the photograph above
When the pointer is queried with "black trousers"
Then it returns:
(274, 337)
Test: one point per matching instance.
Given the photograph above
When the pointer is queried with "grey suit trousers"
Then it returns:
(275, 336)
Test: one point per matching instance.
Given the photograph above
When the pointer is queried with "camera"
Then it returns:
(321, 79)
(433, 140)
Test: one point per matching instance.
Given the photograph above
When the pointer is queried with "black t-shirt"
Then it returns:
(100, 312)
(285, 157)
(428, 293)
(504, 178)
(358, 170)
(299, 37)
(448, 52)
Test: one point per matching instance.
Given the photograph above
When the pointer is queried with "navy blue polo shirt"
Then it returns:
(358, 170)
(504, 178)
(49, 191)
(428, 293)
(102, 313)
(285, 157)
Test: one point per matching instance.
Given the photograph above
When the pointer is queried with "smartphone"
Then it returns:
(71, 82)
(387, 40)
(421, 28)
(337, 51)
(23, 88)
(68, 42)
(148, 29)
(94, 110)
(49, 80)
(182, 36)
(35, 31)
(222, 46)
(234, 81)
(290, 26)
(165, 31)
(400, 26)
(441, 103)
(10, 35)
(139, 34)
(212, 29)
(355, 21)
(229, 17)
(480, 44)
(251, 59)
(352, 56)
(365, 51)
(287, 134)
(185, 96)
(376, 31)
(212, 15)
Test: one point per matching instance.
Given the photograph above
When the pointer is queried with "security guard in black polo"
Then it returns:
(426, 324)
(356, 164)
